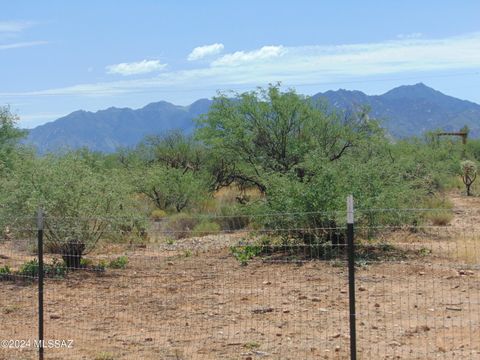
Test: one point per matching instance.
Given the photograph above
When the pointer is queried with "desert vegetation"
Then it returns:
(260, 152)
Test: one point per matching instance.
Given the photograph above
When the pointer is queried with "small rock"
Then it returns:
(54, 316)
(260, 353)
(377, 305)
(148, 339)
(454, 308)
(267, 283)
(262, 310)
(362, 288)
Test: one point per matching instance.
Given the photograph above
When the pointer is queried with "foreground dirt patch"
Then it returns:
(205, 305)
(193, 300)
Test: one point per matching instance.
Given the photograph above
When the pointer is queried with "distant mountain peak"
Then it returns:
(411, 91)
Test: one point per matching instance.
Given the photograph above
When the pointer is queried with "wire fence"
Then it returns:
(240, 290)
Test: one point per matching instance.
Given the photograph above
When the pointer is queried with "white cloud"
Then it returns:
(14, 26)
(203, 51)
(133, 68)
(22, 45)
(296, 66)
(241, 57)
(11, 29)
(414, 35)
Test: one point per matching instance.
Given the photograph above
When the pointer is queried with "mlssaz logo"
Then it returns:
(54, 344)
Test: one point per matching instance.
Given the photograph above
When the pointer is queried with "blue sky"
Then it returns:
(60, 56)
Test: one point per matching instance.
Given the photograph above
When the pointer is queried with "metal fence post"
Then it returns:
(40, 282)
(351, 278)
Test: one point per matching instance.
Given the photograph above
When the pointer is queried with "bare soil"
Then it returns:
(194, 300)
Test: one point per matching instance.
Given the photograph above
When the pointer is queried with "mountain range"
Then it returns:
(404, 111)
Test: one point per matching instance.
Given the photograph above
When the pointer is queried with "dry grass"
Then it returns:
(467, 250)
(440, 218)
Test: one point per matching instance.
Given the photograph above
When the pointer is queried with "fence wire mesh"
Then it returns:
(240, 290)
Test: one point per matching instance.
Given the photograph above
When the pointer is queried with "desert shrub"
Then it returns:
(245, 253)
(170, 188)
(232, 217)
(84, 263)
(206, 227)
(179, 225)
(118, 263)
(440, 218)
(5, 273)
(158, 214)
(82, 198)
(55, 269)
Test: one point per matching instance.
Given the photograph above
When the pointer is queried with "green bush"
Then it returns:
(84, 263)
(5, 272)
(245, 253)
(119, 263)
(206, 227)
(55, 269)
(158, 214)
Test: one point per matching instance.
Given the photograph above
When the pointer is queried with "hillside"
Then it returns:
(404, 111)
(107, 130)
(411, 110)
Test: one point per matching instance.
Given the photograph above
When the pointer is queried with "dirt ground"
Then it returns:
(194, 300)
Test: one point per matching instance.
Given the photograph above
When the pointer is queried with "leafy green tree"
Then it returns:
(270, 131)
(10, 135)
(306, 159)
